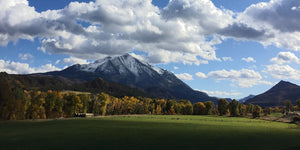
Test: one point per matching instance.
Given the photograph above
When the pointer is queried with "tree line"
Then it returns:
(16, 104)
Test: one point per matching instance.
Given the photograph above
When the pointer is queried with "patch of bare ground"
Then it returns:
(291, 117)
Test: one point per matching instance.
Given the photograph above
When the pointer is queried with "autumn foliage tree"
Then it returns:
(222, 106)
(267, 111)
(242, 109)
(250, 108)
(276, 109)
(256, 112)
(288, 106)
(199, 108)
(160, 105)
(186, 108)
(233, 107)
(8, 103)
(86, 101)
(53, 104)
(72, 104)
(36, 109)
(170, 107)
(210, 106)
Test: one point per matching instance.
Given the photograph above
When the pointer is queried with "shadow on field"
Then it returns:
(292, 148)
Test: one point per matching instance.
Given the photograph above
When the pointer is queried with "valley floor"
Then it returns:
(150, 132)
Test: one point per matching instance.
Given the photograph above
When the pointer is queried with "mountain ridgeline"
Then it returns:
(130, 71)
(277, 95)
(45, 83)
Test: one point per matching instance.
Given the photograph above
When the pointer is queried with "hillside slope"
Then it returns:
(44, 83)
(277, 95)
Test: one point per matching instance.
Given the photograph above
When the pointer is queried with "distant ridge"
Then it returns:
(132, 72)
(242, 100)
(277, 95)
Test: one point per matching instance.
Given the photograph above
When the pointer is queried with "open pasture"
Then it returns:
(150, 132)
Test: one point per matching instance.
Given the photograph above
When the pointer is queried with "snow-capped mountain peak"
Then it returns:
(130, 71)
(123, 65)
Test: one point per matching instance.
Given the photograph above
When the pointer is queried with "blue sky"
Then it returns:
(227, 48)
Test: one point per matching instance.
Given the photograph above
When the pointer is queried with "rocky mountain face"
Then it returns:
(277, 95)
(130, 71)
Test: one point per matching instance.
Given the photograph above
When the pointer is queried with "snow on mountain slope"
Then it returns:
(122, 64)
(93, 66)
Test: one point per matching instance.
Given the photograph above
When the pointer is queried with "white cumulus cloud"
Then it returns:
(278, 21)
(12, 67)
(221, 93)
(176, 33)
(249, 59)
(184, 31)
(285, 57)
(283, 72)
(74, 60)
(244, 77)
(227, 59)
(200, 75)
(185, 76)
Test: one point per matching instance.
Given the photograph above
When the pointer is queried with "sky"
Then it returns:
(226, 48)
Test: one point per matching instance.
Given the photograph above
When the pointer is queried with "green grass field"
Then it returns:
(150, 132)
(276, 114)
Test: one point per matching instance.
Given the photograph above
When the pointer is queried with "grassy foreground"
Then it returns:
(150, 132)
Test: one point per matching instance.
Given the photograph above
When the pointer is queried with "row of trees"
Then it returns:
(16, 103)
(289, 107)
(234, 108)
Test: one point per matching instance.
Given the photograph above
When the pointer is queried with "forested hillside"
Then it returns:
(45, 83)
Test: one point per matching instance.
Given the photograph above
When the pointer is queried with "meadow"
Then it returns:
(150, 132)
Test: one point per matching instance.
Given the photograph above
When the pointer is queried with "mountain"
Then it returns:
(45, 83)
(132, 72)
(277, 95)
(33, 82)
(242, 100)
(115, 89)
